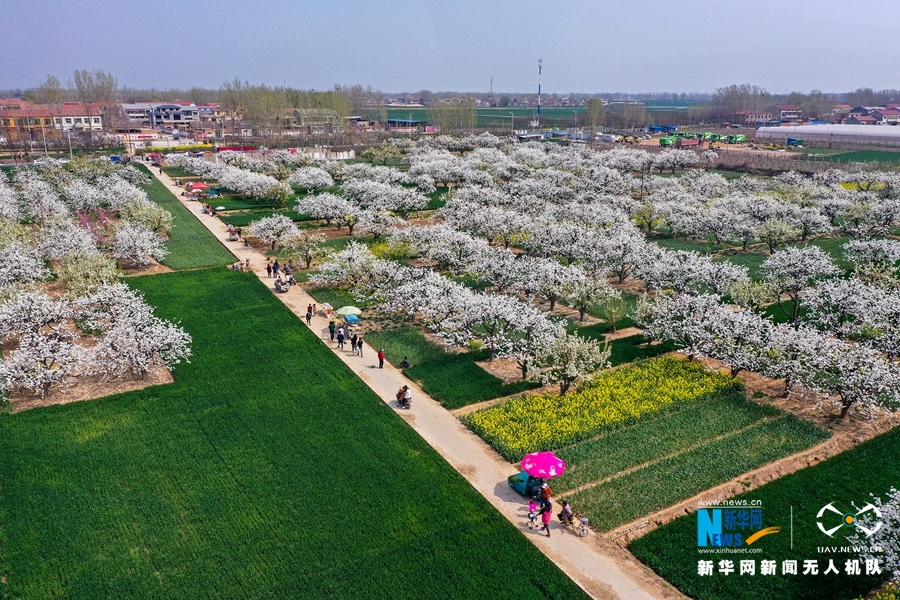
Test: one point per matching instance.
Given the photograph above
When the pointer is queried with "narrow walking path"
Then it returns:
(597, 564)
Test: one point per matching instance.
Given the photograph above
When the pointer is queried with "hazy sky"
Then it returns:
(395, 45)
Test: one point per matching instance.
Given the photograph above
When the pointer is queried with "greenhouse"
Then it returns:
(877, 135)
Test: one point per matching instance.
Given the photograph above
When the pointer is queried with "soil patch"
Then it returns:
(89, 388)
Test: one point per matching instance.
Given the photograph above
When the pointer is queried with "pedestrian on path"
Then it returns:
(268, 270)
(381, 358)
(275, 268)
(359, 345)
(340, 340)
(546, 516)
(546, 493)
(533, 507)
(353, 343)
(331, 329)
(309, 315)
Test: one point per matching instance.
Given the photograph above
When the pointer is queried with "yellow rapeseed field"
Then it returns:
(529, 424)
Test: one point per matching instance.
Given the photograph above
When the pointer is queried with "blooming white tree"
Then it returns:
(303, 245)
(43, 352)
(687, 271)
(570, 360)
(858, 376)
(683, 319)
(9, 203)
(62, 237)
(21, 264)
(866, 253)
(136, 243)
(376, 223)
(618, 252)
(886, 537)
(448, 248)
(775, 233)
(740, 339)
(311, 179)
(794, 269)
(273, 229)
(38, 362)
(82, 272)
(132, 338)
(149, 214)
(584, 292)
(326, 207)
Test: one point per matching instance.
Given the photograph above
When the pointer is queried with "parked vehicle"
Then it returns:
(687, 143)
(525, 484)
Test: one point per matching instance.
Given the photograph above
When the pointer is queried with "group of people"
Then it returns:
(542, 506)
(283, 284)
(241, 265)
(273, 269)
(234, 233)
(404, 397)
(337, 333)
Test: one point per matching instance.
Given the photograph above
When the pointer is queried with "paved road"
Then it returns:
(595, 563)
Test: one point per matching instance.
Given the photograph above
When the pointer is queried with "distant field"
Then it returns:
(500, 117)
(882, 156)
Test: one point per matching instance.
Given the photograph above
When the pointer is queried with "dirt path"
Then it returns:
(596, 563)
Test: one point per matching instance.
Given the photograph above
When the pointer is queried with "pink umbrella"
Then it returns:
(543, 464)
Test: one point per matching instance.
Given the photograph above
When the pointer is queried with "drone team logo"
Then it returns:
(848, 519)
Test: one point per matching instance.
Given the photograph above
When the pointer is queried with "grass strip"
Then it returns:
(191, 245)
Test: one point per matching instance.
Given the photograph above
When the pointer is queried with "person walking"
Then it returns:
(533, 507)
(353, 343)
(331, 329)
(268, 270)
(359, 345)
(381, 358)
(275, 268)
(309, 315)
(546, 516)
(340, 339)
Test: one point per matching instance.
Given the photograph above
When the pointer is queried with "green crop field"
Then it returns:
(881, 156)
(190, 244)
(499, 118)
(244, 218)
(870, 468)
(267, 470)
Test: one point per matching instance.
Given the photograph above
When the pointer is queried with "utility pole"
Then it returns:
(540, 68)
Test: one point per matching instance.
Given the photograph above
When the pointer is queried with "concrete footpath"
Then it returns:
(597, 564)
